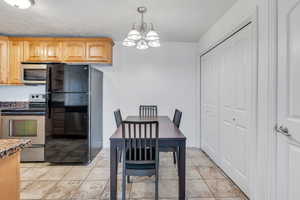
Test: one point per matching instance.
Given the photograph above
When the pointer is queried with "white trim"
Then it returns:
(267, 102)
(273, 67)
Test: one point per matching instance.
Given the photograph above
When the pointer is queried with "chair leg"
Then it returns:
(120, 156)
(124, 185)
(177, 153)
(174, 157)
(128, 179)
(156, 186)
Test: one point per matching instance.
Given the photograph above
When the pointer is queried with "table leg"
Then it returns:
(182, 161)
(113, 171)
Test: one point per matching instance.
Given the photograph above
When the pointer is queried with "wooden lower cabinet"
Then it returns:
(15, 59)
(3, 61)
(10, 177)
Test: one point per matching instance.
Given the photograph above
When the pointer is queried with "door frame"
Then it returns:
(253, 20)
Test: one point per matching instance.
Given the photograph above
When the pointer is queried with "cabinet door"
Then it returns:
(74, 51)
(15, 59)
(53, 51)
(98, 51)
(33, 51)
(3, 62)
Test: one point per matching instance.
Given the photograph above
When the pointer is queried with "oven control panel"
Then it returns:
(37, 98)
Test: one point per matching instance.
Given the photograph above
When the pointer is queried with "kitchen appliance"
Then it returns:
(74, 113)
(33, 73)
(27, 122)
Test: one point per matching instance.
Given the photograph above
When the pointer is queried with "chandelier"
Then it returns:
(22, 4)
(142, 35)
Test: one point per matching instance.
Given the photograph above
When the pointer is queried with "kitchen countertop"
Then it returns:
(11, 146)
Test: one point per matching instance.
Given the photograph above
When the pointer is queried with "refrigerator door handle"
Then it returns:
(49, 79)
(49, 102)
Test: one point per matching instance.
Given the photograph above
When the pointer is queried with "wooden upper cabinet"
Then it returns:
(74, 51)
(40, 51)
(15, 59)
(3, 61)
(53, 51)
(33, 51)
(94, 50)
(98, 51)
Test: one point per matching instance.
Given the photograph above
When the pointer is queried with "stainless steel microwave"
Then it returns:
(34, 73)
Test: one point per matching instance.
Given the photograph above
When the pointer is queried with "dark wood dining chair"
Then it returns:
(140, 151)
(148, 111)
(176, 121)
(177, 118)
(118, 119)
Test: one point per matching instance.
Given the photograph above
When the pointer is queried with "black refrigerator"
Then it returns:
(74, 113)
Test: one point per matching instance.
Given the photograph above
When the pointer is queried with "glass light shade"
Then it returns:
(128, 43)
(134, 35)
(152, 35)
(22, 4)
(154, 43)
(142, 45)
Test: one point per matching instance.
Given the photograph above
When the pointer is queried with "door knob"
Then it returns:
(283, 130)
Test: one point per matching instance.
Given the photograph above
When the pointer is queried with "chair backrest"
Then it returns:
(148, 111)
(140, 141)
(118, 118)
(177, 118)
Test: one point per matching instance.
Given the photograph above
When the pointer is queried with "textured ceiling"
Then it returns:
(175, 20)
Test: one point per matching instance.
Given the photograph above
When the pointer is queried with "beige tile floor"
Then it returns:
(204, 180)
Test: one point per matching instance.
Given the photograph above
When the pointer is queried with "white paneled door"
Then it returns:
(288, 128)
(228, 105)
(235, 108)
(210, 103)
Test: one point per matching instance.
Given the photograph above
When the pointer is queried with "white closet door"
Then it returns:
(235, 107)
(210, 103)
(288, 137)
(228, 105)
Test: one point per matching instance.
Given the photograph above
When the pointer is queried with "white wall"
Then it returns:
(19, 93)
(239, 12)
(162, 76)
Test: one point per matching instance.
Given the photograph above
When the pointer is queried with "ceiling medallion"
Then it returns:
(142, 35)
(22, 4)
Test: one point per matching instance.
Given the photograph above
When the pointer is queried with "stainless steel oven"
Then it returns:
(26, 126)
(34, 73)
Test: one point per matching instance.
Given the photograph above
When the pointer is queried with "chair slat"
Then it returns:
(148, 110)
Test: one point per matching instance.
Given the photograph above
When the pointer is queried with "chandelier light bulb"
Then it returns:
(134, 34)
(128, 43)
(142, 45)
(21, 4)
(152, 35)
(154, 43)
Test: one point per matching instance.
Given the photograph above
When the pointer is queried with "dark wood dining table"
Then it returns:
(169, 136)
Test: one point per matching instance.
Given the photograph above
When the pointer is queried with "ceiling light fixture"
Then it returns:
(22, 4)
(140, 35)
